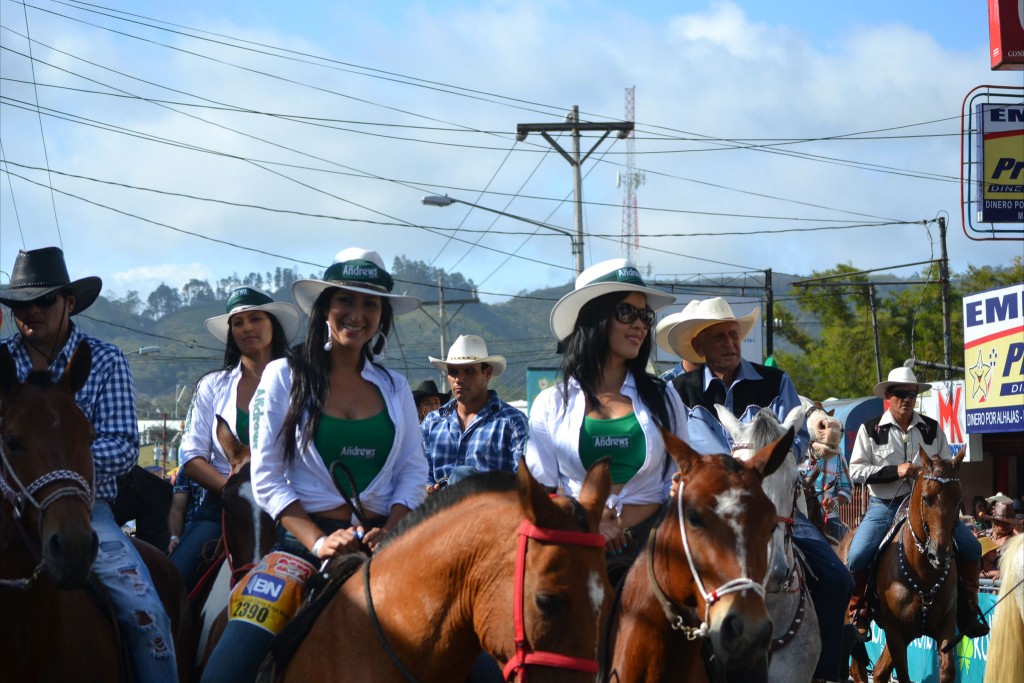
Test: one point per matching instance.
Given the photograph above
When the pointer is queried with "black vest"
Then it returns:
(879, 433)
(690, 386)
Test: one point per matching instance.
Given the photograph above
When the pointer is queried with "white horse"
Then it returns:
(796, 642)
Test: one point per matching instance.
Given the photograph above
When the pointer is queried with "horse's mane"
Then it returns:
(1005, 657)
(764, 428)
(498, 481)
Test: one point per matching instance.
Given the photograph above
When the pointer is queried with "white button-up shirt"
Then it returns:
(216, 394)
(552, 450)
(869, 458)
(277, 484)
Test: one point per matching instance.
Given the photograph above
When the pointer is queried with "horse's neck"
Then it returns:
(16, 558)
(779, 486)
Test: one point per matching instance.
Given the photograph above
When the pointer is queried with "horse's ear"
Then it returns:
(926, 460)
(771, 457)
(795, 417)
(959, 457)
(534, 498)
(831, 413)
(236, 452)
(78, 368)
(596, 487)
(728, 420)
(684, 456)
(8, 372)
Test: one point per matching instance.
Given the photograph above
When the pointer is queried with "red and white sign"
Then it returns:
(946, 403)
(1006, 34)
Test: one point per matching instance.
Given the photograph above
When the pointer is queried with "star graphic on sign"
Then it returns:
(980, 372)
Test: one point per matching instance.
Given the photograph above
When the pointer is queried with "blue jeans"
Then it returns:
(204, 527)
(243, 646)
(830, 586)
(877, 520)
(143, 620)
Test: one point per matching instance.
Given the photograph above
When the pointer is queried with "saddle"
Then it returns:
(320, 589)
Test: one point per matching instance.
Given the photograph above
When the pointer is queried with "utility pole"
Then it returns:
(947, 341)
(874, 329)
(769, 314)
(440, 316)
(442, 321)
(573, 126)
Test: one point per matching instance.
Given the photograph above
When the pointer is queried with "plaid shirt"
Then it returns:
(107, 399)
(832, 481)
(494, 440)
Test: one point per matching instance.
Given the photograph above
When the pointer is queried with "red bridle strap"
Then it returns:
(524, 656)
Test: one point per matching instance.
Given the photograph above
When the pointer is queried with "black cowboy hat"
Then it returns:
(426, 389)
(38, 272)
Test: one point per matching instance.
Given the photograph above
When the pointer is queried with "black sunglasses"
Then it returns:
(904, 393)
(626, 313)
(44, 301)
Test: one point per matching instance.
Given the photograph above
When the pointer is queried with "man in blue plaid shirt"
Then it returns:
(475, 430)
(43, 299)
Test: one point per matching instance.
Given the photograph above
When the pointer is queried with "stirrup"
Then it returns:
(861, 622)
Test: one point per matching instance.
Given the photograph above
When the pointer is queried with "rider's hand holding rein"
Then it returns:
(907, 470)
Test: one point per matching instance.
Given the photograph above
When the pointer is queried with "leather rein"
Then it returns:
(524, 655)
(927, 597)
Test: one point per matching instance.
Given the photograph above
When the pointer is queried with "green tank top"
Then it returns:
(242, 425)
(360, 445)
(621, 438)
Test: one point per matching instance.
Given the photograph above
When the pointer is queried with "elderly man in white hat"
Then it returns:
(711, 336)
(476, 430)
(886, 457)
(661, 332)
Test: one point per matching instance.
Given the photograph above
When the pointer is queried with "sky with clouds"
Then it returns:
(197, 139)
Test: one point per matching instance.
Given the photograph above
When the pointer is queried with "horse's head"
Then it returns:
(937, 498)
(565, 595)
(47, 474)
(249, 532)
(780, 486)
(725, 524)
(826, 430)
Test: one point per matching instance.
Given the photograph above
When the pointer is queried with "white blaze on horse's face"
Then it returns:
(595, 589)
(729, 506)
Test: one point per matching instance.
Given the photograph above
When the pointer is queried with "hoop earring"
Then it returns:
(330, 341)
(384, 345)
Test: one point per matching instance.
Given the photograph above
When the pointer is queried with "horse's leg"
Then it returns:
(898, 651)
(947, 667)
(883, 667)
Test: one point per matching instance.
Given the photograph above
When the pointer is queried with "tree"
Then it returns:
(162, 301)
(196, 292)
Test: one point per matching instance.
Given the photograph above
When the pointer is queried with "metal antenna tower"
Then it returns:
(629, 181)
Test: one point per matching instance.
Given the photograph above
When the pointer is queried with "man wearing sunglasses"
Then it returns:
(711, 335)
(43, 298)
(886, 457)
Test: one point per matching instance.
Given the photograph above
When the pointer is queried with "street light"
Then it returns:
(438, 200)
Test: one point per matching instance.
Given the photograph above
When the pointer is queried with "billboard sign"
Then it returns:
(1006, 34)
(945, 403)
(1000, 143)
(994, 360)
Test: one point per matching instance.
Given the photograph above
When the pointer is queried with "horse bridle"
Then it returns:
(25, 495)
(675, 617)
(524, 655)
(927, 598)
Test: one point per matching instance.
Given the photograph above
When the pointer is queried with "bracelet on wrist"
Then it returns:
(176, 538)
(317, 545)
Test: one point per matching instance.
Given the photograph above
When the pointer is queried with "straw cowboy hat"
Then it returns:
(1000, 498)
(614, 275)
(899, 376)
(706, 313)
(426, 389)
(467, 350)
(665, 325)
(38, 272)
(357, 270)
(253, 299)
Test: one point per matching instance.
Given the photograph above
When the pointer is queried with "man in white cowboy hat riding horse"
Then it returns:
(886, 457)
(475, 431)
(43, 298)
(711, 335)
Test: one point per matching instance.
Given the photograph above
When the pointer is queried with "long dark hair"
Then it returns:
(311, 369)
(587, 348)
(233, 354)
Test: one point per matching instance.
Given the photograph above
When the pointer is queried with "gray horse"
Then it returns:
(796, 642)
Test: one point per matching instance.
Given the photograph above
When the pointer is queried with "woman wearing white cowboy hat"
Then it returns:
(337, 457)
(607, 404)
(254, 330)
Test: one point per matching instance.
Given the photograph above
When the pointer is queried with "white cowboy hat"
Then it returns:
(706, 313)
(665, 325)
(614, 275)
(467, 350)
(357, 270)
(999, 498)
(897, 376)
(253, 299)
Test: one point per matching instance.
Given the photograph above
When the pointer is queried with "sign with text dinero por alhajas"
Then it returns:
(994, 359)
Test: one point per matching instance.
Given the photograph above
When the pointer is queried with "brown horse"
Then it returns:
(916, 575)
(700, 578)
(248, 534)
(55, 628)
(490, 563)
